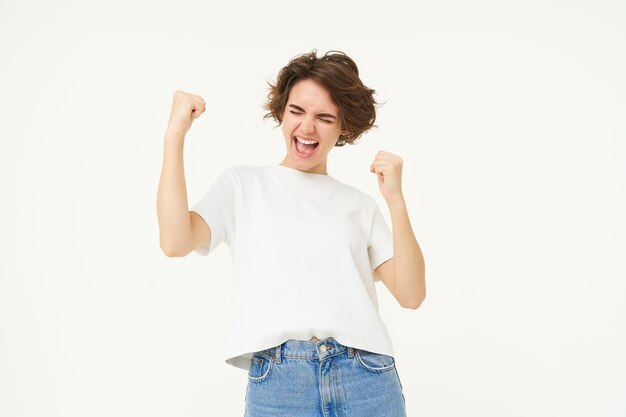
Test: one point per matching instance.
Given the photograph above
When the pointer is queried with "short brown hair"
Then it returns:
(338, 73)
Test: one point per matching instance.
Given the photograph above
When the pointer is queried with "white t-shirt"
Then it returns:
(303, 247)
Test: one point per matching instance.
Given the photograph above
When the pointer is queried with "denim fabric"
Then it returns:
(322, 379)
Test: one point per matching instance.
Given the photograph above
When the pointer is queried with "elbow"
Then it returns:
(412, 306)
(419, 295)
(168, 252)
(415, 304)
(172, 252)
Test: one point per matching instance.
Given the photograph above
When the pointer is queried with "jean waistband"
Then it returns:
(309, 349)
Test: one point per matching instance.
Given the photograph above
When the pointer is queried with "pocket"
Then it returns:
(374, 362)
(261, 365)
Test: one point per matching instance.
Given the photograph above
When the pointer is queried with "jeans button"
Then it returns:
(323, 348)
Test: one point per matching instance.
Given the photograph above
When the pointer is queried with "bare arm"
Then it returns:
(405, 274)
(179, 230)
(172, 206)
(408, 266)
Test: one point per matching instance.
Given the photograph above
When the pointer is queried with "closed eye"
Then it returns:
(322, 119)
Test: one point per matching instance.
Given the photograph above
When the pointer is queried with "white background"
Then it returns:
(509, 117)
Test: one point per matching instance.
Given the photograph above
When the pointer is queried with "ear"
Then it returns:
(345, 131)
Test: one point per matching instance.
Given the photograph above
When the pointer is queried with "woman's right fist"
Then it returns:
(185, 109)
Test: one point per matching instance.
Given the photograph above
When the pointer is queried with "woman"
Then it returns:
(306, 249)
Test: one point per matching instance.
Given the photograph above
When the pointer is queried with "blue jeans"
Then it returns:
(322, 379)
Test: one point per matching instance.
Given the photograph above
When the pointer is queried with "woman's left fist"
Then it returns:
(388, 169)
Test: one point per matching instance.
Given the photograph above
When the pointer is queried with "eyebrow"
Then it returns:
(320, 114)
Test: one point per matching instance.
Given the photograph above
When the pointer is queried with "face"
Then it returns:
(312, 116)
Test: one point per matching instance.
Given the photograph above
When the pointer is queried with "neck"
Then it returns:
(315, 169)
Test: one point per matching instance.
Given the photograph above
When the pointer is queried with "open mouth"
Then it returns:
(304, 147)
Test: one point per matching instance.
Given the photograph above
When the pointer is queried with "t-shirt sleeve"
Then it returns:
(381, 247)
(217, 208)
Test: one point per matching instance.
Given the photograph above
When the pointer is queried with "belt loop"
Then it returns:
(277, 353)
(351, 351)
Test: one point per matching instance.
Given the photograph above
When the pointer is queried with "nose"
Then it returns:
(307, 126)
